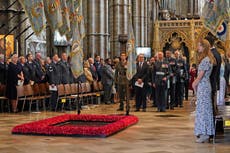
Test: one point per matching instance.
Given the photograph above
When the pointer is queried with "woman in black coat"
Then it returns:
(14, 74)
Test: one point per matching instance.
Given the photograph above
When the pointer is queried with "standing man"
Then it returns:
(39, 75)
(215, 75)
(121, 80)
(107, 78)
(150, 77)
(161, 74)
(98, 66)
(141, 83)
(54, 76)
(172, 80)
(182, 75)
(93, 69)
(65, 69)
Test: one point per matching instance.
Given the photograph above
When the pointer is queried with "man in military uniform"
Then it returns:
(172, 81)
(121, 80)
(161, 74)
(182, 75)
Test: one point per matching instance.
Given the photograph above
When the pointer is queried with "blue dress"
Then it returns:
(204, 123)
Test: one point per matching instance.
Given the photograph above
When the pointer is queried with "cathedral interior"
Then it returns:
(158, 25)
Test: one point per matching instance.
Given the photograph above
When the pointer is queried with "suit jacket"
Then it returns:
(65, 72)
(54, 73)
(107, 75)
(215, 75)
(94, 72)
(142, 73)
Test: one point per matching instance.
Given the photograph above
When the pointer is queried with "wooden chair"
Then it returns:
(3, 97)
(61, 95)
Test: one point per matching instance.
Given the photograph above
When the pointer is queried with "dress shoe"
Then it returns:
(120, 109)
(137, 110)
(144, 110)
(181, 106)
(203, 139)
(172, 108)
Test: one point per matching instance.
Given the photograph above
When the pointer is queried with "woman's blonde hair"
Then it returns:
(206, 52)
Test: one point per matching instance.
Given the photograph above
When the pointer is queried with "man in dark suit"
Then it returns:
(54, 76)
(215, 75)
(141, 80)
(65, 69)
(39, 73)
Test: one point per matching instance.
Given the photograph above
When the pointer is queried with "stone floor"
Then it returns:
(156, 132)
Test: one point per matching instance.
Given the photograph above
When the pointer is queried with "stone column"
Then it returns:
(142, 23)
(195, 10)
(106, 18)
(101, 27)
(136, 21)
(86, 21)
(91, 27)
(150, 19)
(189, 14)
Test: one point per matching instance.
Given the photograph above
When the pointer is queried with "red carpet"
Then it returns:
(77, 125)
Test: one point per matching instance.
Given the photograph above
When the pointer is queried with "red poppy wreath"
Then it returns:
(77, 125)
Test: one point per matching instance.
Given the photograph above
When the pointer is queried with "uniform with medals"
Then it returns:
(161, 74)
(182, 75)
(172, 82)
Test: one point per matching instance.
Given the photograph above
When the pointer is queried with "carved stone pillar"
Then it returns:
(156, 39)
(193, 48)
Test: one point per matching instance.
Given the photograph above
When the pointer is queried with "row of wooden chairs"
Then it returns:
(33, 93)
(78, 93)
(40, 92)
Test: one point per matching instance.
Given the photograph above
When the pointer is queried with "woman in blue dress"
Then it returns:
(204, 124)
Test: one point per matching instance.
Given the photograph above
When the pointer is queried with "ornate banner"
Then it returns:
(35, 11)
(65, 18)
(131, 52)
(214, 13)
(78, 33)
(53, 13)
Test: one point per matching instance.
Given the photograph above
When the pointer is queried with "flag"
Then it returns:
(35, 11)
(78, 33)
(131, 52)
(214, 13)
(53, 13)
(222, 31)
(65, 18)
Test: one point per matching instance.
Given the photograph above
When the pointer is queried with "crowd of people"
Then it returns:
(164, 79)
